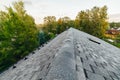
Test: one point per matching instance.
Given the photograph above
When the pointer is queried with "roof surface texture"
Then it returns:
(72, 55)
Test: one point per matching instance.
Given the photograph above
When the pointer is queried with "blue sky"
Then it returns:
(60, 8)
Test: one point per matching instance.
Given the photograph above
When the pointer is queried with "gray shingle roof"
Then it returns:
(73, 55)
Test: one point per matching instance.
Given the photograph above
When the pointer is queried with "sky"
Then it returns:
(60, 8)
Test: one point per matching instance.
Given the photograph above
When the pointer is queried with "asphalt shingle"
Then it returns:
(72, 55)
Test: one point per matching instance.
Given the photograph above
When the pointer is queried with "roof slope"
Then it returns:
(72, 55)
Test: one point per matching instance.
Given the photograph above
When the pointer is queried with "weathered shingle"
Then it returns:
(72, 55)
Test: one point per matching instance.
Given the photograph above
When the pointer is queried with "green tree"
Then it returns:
(50, 24)
(18, 34)
(114, 24)
(93, 21)
(64, 23)
(59, 26)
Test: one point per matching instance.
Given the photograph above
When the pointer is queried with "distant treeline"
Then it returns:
(93, 21)
(114, 25)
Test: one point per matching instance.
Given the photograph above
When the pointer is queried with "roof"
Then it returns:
(114, 31)
(72, 55)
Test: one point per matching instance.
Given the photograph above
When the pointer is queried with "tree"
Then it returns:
(18, 36)
(64, 23)
(93, 21)
(50, 24)
(59, 26)
(82, 18)
(114, 24)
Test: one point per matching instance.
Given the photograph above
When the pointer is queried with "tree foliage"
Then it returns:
(50, 24)
(93, 21)
(114, 24)
(18, 34)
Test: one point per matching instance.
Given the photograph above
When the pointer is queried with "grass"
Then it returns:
(117, 44)
(113, 43)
